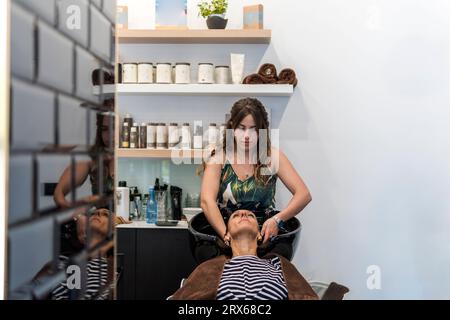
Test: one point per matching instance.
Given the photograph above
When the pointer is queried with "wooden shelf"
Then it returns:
(237, 90)
(159, 154)
(195, 36)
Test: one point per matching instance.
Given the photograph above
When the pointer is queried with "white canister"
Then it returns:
(222, 74)
(151, 136)
(161, 136)
(174, 135)
(237, 67)
(145, 72)
(198, 135)
(123, 202)
(164, 73)
(212, 134)
(129, 73)
(222, 131)
(205, 73)
(183, 73)
(186, 140)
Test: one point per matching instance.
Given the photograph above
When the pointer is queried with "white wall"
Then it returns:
(367, 129)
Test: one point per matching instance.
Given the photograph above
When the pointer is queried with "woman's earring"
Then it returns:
(259, 238)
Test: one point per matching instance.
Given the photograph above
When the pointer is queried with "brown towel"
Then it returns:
(108, 78)
(270, 80)
(287, 76)
(268, 72)
(335, 292)
(253, 79)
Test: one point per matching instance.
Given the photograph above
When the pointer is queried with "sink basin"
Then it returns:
(203, 238)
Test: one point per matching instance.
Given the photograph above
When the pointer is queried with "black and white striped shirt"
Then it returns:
(97, 277)
(252, 278)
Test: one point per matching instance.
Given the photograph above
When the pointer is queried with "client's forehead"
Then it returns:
(241, 211)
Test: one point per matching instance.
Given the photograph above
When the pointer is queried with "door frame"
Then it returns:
(4, 137)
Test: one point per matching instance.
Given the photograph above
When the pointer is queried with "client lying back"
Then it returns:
(245, 276)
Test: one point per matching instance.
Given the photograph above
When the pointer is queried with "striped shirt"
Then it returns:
(97, 277)
(252, 278)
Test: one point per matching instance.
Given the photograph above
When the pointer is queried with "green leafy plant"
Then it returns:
(212, 7)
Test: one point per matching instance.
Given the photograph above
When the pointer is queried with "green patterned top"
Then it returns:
(248, 194)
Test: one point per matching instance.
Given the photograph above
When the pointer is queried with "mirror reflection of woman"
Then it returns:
(99, 268)
(90, 169)
(246, 179)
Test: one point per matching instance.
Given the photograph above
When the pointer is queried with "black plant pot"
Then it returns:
(216, 22)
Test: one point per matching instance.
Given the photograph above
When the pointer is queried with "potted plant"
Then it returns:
(214, 12)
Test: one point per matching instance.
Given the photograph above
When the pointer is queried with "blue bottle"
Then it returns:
(152, 207)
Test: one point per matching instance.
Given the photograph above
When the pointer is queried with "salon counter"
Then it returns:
(145, 225)
(152, 260)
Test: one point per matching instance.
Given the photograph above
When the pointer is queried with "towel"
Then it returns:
(268, 72)
(335, 291)
(108, 78)
(254, 79)
(287, 76)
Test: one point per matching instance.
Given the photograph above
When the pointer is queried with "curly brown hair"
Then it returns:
(241, 109)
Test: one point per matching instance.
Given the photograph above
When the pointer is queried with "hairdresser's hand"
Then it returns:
(223, 243)
(90, 199)
(269, 229)
(80, 218)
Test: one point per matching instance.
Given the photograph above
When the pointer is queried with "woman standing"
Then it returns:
(243, 174)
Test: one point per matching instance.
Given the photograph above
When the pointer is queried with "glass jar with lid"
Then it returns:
(222, 74)
(164, 72)
(129, 73)
(145, 72)
(182, 73)
(205, 73)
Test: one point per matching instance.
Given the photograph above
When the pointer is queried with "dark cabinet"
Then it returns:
(152, 262)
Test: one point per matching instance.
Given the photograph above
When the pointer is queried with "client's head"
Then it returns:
(242, 229)
(99, 224)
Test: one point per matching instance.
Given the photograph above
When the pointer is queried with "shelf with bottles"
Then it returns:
(144, 225)
(159, 140)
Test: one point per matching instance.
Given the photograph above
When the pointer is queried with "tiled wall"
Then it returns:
(52, 105)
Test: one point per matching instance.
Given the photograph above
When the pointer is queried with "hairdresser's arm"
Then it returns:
(209, 191)
(64, 184)
(300, 194)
